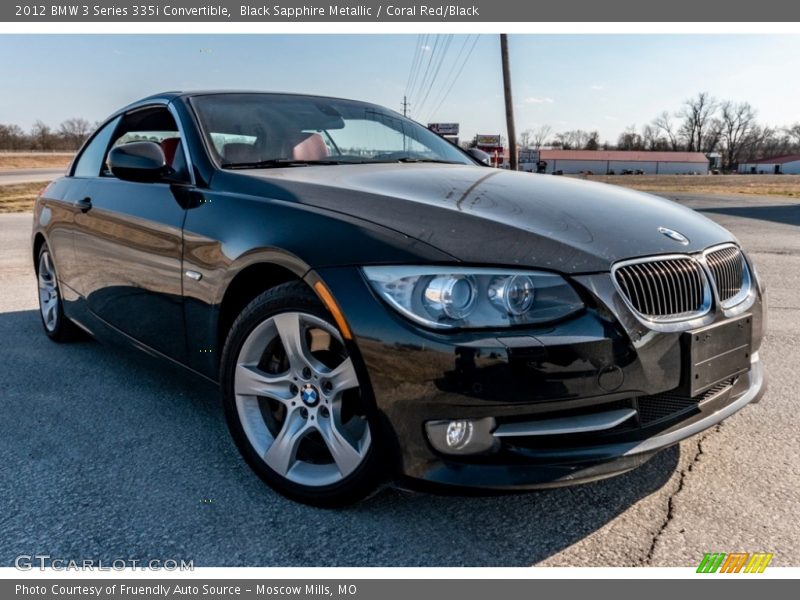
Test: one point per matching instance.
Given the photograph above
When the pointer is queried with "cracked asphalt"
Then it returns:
(107, 455)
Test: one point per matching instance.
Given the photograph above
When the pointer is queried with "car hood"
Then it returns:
(492, 216)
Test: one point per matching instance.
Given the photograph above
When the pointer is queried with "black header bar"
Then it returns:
(435, 11)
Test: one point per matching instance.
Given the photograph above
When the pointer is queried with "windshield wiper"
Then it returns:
(274, 163)
(411, 159)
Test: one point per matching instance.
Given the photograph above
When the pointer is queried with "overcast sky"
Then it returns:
(603, 82)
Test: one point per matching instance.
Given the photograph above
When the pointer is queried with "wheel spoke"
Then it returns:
(344, 453)
(291, 334)
(282, 453)
(48, 263)
(343, 377)
(47, 304)
(50, 314)
(252, 381)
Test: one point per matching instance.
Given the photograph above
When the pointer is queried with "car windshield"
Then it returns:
(269, 130)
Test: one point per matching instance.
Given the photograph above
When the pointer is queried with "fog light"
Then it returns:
(458, 434)
(462, 436)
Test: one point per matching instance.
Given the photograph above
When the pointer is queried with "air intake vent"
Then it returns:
(668, 288)
(727, 268)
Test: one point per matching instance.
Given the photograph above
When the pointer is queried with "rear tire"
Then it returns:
(51, 304)
(293, 401)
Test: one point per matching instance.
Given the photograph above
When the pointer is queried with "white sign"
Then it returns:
(444, 128)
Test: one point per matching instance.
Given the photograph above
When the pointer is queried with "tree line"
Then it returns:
(41, 137)
(702, 124)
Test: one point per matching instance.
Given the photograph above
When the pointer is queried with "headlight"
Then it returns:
(466, 298)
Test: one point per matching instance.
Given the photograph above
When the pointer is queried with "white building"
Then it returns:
(602, 162)
(777, 165)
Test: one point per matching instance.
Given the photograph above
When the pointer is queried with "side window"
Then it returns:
(91, 159)
(156, 125)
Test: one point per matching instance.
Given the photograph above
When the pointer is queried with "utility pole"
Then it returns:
(512, 132)
(405, 106)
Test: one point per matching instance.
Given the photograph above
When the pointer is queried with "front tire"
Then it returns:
(51, 305)
(294, 403)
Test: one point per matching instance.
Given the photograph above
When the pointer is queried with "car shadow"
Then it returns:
(788, 214)
(110, 455)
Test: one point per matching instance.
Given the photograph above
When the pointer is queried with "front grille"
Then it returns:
(664, 288)
(727, 267)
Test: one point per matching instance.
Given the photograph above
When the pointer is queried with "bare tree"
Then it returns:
(794, 132)
(698, 115)
(712, 136)
(539, 136)
(42, 136)
(630, 140)
(575, 139)
(737, 123)
(593, 143)
(562, 141)
(665, 125)
(11, 137)
(75, 131)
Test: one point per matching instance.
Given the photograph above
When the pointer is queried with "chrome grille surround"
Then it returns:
(730, 274)
(723, 270)
(664, 289)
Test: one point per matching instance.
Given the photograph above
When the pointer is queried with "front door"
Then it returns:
(128, 242)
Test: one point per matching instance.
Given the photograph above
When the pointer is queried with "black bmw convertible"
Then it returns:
(378, 306)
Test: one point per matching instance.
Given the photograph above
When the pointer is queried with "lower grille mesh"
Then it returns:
(658, 407)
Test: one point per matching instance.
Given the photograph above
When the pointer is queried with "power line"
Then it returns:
(453, 67)
(447, 82)
(425, 43)
(442, 56)
(427, 68)
(458, 75)
(412, 72)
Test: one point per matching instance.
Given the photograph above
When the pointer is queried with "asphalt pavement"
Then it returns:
(107, 455)
(37, 175)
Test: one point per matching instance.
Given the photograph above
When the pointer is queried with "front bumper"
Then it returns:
(602, 359)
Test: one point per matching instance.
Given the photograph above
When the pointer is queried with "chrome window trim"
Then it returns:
(184, 146)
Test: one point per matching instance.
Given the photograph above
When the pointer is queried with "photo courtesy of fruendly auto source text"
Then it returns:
(371, 301)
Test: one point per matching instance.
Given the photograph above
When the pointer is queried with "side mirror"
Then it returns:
(479, 155)
(143, 162)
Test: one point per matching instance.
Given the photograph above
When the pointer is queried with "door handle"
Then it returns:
(85, 204)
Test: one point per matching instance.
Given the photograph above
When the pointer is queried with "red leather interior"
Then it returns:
(170, 146)
(311, 148)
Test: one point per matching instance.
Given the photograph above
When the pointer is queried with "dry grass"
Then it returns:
(35, 160)
(766, 185)
(18, 198)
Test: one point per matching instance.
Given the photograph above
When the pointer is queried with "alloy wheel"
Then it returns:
(298, 400)
(48, 292)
